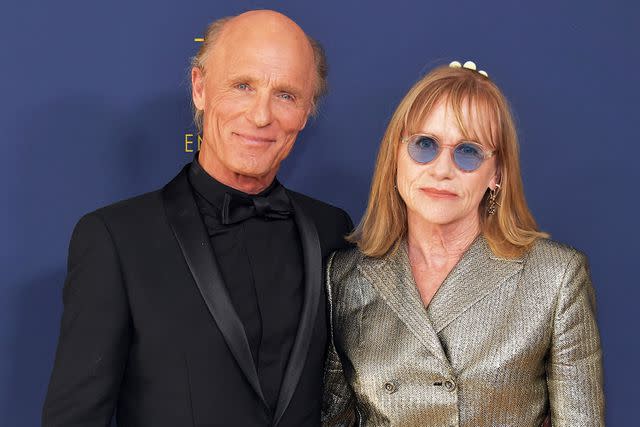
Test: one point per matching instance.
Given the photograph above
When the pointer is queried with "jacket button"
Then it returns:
(449, 385)
(390, 387)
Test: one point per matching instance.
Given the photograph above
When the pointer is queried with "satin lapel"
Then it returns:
(312, 256)
(193, 239)
(476, 275)
(391, 276)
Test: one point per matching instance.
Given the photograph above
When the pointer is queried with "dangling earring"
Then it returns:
(492, 204)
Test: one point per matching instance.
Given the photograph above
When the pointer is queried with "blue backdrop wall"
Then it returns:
(94, 107)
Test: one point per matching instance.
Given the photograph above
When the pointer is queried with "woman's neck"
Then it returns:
(437, 247)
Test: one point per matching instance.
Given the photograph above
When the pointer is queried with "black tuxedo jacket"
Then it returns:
(149, 332)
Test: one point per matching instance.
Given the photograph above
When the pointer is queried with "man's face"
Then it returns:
(256, 94)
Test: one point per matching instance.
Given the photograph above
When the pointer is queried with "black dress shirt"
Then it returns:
(262, 267)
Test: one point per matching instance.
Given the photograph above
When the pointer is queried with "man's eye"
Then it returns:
(242, 86)
(287, 97)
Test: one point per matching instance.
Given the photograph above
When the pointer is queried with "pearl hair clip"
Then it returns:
(469, 65)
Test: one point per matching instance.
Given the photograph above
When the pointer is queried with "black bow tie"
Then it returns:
(275, 205)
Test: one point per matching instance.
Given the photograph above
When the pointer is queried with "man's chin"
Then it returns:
(254, 172)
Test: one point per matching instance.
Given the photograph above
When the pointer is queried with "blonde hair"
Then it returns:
(212, 34)
(512, 229)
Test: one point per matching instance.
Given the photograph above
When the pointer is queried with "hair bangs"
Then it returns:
(421, 108)
(476, 110)
(478, 118)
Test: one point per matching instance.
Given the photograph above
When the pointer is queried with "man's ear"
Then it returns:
(304, 123)
(197, 88)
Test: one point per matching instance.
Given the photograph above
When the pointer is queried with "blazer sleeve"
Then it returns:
(94, 333)
(574, 368)
(338, 401)
(348, 223)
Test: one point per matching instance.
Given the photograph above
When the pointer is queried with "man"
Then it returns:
(202, 304)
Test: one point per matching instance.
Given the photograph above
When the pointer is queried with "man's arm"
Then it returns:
(94, 333)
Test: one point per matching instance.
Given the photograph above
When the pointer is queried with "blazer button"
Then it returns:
(449, 385)
(390, 387)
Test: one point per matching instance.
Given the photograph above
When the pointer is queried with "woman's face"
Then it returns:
(438, 192)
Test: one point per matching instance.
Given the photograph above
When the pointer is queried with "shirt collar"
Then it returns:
(213, 190)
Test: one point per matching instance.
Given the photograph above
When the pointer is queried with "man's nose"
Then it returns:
(259, 112)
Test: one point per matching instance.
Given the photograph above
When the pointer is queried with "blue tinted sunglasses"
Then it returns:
(467, 156)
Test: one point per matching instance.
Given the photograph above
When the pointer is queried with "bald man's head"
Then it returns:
(254, 85)
(258, 21)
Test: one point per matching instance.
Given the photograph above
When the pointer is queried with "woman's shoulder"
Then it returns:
(553, 256)
(344, 262)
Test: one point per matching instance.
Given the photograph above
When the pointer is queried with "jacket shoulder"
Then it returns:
(343, 264)
(551, 257)
(318, 208)
(131, 211)
(553, 250)
(332, 223)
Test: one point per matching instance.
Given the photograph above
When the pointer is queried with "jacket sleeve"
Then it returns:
(574, 368)
(338, 401)
(94, 332)
(348, 222)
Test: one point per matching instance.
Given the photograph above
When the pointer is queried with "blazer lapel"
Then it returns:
(187, 226)
(312, 256)
(391, 276)
(477, 273)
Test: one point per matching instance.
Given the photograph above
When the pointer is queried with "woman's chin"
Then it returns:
(441, 217)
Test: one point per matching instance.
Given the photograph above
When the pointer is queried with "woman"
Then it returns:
(454, 309)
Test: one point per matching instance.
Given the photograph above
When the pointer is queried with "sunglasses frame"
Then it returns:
(485, 153)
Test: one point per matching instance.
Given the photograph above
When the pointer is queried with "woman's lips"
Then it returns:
(438, 194)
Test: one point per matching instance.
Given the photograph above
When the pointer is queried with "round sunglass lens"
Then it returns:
(468, 157)
(422, 149)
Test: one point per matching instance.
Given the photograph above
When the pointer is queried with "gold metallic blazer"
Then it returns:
(502, 343)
